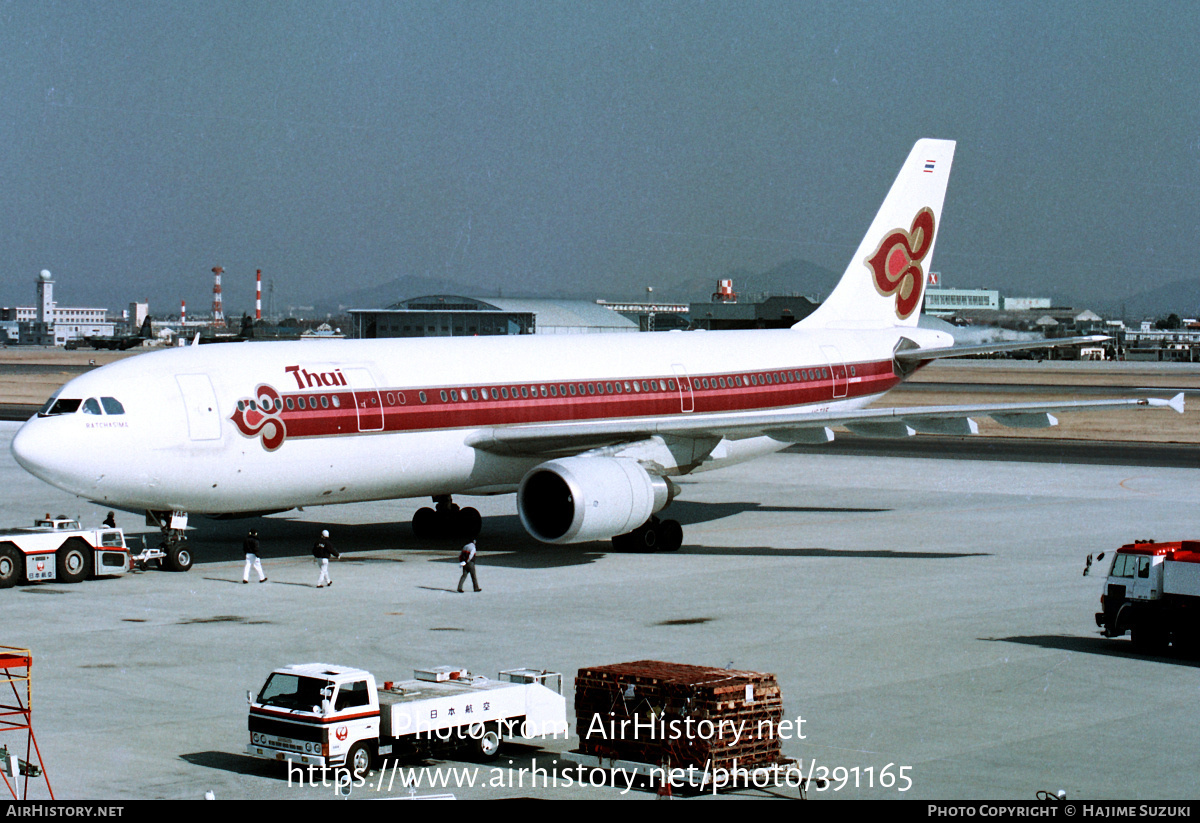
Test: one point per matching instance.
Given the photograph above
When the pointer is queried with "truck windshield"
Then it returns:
(1124, 565)
(292, 691)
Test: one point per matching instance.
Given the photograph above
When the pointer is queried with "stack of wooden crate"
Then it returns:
(679, 715)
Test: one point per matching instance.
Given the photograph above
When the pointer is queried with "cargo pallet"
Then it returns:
(651, 714)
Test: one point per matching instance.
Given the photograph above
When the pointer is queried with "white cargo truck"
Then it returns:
(57, 548)
(1153, 592)
(320, 715)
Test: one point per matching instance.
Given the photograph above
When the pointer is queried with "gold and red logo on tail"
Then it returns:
(896, 264)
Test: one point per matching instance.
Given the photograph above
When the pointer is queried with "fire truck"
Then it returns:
(57, 548)
(320, 715)
(1153, 592)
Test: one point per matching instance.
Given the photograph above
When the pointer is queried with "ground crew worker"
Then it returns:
(322, 551)
(250, 546)
(466, 559)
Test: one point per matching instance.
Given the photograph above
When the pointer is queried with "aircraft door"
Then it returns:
(200, 402)
(366, 400)
(838, 370)
(687, 401)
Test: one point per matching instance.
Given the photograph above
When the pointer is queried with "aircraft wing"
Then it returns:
(791, 426)
(912, 356)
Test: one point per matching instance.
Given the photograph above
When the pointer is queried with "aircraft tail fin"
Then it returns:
(884, 285)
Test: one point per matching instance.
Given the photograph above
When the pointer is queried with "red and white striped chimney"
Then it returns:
(218, 312)
(258, 294)
(182, 311)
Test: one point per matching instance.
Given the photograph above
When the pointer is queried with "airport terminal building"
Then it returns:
(49, 324)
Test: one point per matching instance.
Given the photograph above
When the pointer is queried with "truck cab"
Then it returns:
(60, 523)
(1152, 592)
(315, 714)
(319, 715)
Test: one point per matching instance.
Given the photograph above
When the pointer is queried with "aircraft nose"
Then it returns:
(36, 451)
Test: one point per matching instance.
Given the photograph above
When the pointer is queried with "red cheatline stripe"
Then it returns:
(354, 411)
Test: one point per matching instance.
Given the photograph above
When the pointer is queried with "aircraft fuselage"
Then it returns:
(268, 426)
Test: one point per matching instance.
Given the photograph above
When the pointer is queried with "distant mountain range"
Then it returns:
(792, 277)
(801, 277)
(1181, 297)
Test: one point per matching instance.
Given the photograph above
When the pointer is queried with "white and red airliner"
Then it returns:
(587, 429)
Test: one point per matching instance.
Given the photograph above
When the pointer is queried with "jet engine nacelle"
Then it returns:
(576, 499)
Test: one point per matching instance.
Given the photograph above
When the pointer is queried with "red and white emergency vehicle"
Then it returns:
(57, 548)
(1153, 592)
(321, 715)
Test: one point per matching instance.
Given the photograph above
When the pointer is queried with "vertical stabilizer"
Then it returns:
(884, 285)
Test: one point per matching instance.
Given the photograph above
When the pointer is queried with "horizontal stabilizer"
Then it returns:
(922, 354)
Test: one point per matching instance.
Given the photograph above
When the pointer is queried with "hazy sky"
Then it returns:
(527, 145)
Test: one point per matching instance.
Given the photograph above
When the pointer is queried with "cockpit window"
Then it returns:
(61, 405)
(64, 405)
(45, 409)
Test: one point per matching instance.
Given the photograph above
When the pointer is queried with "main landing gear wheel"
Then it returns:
(652, 536)
(447, 521)
(73, 561)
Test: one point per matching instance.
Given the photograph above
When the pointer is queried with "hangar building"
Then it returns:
(445, 315)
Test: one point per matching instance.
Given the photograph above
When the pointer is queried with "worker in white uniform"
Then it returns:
(250, 545)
